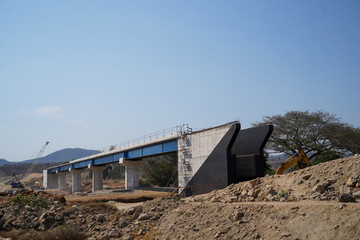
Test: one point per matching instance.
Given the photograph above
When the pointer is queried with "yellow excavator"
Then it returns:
(300, 158)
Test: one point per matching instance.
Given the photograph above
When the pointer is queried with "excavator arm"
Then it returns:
(298, 157)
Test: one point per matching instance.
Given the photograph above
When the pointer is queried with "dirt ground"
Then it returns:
(302, 205)
(33, 177)
(262, 220)
(126, 197)
(299, 205)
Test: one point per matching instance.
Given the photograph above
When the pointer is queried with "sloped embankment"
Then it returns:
(298, 205)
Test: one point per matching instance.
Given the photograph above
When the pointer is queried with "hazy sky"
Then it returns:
(91, 74)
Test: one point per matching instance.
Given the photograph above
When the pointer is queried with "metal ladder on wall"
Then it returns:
(185, 149)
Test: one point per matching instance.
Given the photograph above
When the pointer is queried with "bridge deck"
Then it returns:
(154, 147)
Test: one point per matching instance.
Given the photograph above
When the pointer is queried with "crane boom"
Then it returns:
(36, 159)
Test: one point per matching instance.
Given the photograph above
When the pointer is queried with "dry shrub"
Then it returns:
(99, 206)
(62, 233)
(59, 233)
(14, 235)
(151, 235)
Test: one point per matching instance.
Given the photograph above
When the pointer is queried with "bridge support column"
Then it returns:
(62, 180)
(97, 177)
(132, 173)
(51, 181)
(76, 180)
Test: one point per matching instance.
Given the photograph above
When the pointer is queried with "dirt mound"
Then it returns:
(326, 181)
(299, 205)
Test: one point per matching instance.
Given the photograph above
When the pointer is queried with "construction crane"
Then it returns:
(17, 183)
(36, 159)
(300, 158)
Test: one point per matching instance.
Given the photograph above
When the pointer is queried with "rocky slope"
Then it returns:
(300, 205)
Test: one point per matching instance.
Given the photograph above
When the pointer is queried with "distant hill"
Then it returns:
(3, 162)
(9, 168)
(64, 155)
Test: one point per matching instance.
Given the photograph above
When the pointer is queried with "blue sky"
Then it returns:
(91, 74)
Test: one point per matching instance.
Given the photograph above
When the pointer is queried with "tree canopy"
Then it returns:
(317, 133)
(160, 170)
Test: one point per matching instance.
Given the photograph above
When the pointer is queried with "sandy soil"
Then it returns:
(32, 177)
(129, 197)
(262, 220)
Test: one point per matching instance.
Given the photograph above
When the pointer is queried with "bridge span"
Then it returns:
(208, 159)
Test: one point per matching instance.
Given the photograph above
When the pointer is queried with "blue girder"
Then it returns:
(141, 152)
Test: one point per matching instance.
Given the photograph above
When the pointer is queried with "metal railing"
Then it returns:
(176, 131)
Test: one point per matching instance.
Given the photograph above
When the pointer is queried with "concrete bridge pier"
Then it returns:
(132, 173)
(76, 180)
(62, 181)
(97, 177)
(51, 181)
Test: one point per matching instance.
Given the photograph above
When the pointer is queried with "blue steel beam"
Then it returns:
(141, 152)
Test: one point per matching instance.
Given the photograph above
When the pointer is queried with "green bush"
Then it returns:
(283, 193)
(115, 172)
(31, 200)
(160, 170)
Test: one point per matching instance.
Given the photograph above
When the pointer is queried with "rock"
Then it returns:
(59, 217)
(286, 234)
(272, 192)
(44, 215)
(356, 194)
(306, 177)
(237, 216)
(254, 182)
(47, 222)
(225, 230)
(319, 188)
(255, 193)
(7, 225)
(126, 237)
(143, 217)
(351, 182)
(122, 223)
(114, 234)
(137, 212)
(140, 232)
(231, 199)
(346, 198)
(19, 223)
(342, 189)
(130, 211)
(100, 218)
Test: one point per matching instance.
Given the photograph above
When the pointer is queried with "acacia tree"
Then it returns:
(160, 170)
(316, 133)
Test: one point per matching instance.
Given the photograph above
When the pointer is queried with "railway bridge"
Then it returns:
(208, 159)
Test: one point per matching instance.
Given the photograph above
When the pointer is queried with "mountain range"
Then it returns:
(63, 155)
